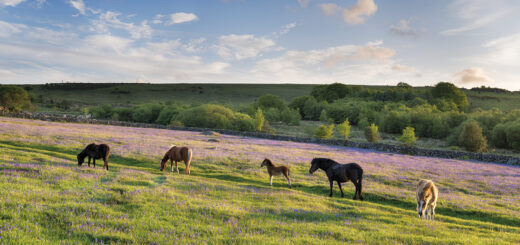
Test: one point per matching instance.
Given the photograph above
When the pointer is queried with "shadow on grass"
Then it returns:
(70, 154)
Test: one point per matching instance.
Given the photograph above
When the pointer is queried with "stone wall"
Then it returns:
(485, 157)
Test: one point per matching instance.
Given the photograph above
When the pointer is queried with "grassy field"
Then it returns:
(231, 95)
(132, 94)
(46, 198)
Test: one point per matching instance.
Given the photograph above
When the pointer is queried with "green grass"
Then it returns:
(48, 199)
(227, 94)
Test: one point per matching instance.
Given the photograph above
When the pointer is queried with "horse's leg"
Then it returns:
(357, 190)
(270, 180)
(360, 183)
(288, 180)
(94, 159)
(106, 162)
(418, 215)
(177, 166)
(89, 161)
(339, 185)
(433, 211)
(331, 184)
(171, 165)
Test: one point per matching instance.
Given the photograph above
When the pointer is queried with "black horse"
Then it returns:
(96, 152)
(340, 173)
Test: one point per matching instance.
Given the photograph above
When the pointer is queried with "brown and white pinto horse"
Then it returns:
(177, 153)
(275, 171)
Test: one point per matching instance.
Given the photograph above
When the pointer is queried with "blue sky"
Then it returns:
(376, 42)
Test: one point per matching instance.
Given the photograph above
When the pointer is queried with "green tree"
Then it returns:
(471, 137)
(267, 101)
(344, 129)
(259, 120)
(324, 131)
(408, 136)
(323, 116)
(444, 90)
(14, 99)
(372, 133)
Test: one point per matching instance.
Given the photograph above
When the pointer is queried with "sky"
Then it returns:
(368, 42)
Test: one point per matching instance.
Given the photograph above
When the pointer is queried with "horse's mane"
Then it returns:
(324, 163)
(268, 162)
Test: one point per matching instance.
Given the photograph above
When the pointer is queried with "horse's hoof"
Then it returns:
(330, 195)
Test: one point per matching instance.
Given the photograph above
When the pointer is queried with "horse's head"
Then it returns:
(314, 165)
(266, 162)
(80, 159)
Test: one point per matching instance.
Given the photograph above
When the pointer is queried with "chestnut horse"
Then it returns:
(274, 170)
(177, 153)
(95, 152)
(340, 173)
(426, 194)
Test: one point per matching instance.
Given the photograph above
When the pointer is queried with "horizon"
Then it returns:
(355, 42)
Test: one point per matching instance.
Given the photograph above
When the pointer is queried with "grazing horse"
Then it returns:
(340, 173)
(426, 195)
(177, 153)
(276, 171)
(95, 152)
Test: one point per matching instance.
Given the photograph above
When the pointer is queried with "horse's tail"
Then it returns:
(188, 160)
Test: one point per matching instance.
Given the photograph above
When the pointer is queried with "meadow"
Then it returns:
(46, 198)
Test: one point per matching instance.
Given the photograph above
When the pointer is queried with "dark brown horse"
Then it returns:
(275, 171)
(95, 152)
(340, 173)
(177, 153)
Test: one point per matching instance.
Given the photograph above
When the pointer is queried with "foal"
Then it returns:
(274, 170)
(426, 195)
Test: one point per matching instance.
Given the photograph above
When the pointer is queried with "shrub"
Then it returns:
(175, 123)
(102, 112)
(146, 113)
(499, 136)
(290, 116)
(323, 116)
(168, 114)
(513, 135)
(298, 103)
(207, 116)
(444, 90)
(395, 122)
(243, 122)
(15, 99)
(267, 101)
(344, 129)
(268, 129)
(312, 108)
(372, 133)
(408, 136)
(324, 131)
(471, 137)
(259, 120)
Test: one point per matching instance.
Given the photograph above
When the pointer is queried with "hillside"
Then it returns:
(228, 94)
(46, 198)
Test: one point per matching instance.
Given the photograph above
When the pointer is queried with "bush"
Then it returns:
(267, 101)
(168, 114)
(449, 91)
(344, 129)
(259, 120)
(395, 122)
(102, 112)
(312, 109)
(408, 136)
(513, 135)
(243, 122)
(175, 123)
(471, 137)
(290, 116)
(14, 99)
(323, 131)
(499, 136)
(372, 133)
(323, 116)
(267, 128)
(146, 113)
(207, 116)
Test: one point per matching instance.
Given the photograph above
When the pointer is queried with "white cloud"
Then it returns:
(353, 15)
(304, 3)
(10, 3)
(345, 63)
(504, 51)
(472, 76)
(79, 5)
(330, 8)
(8, 29)
(243, 46)
(476, 14)
(403, 68)
(111, 19)
(358, 13)
(38, 57)
(181, 17)
(403, 29)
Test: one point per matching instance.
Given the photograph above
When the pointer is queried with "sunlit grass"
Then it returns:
(46, 198)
